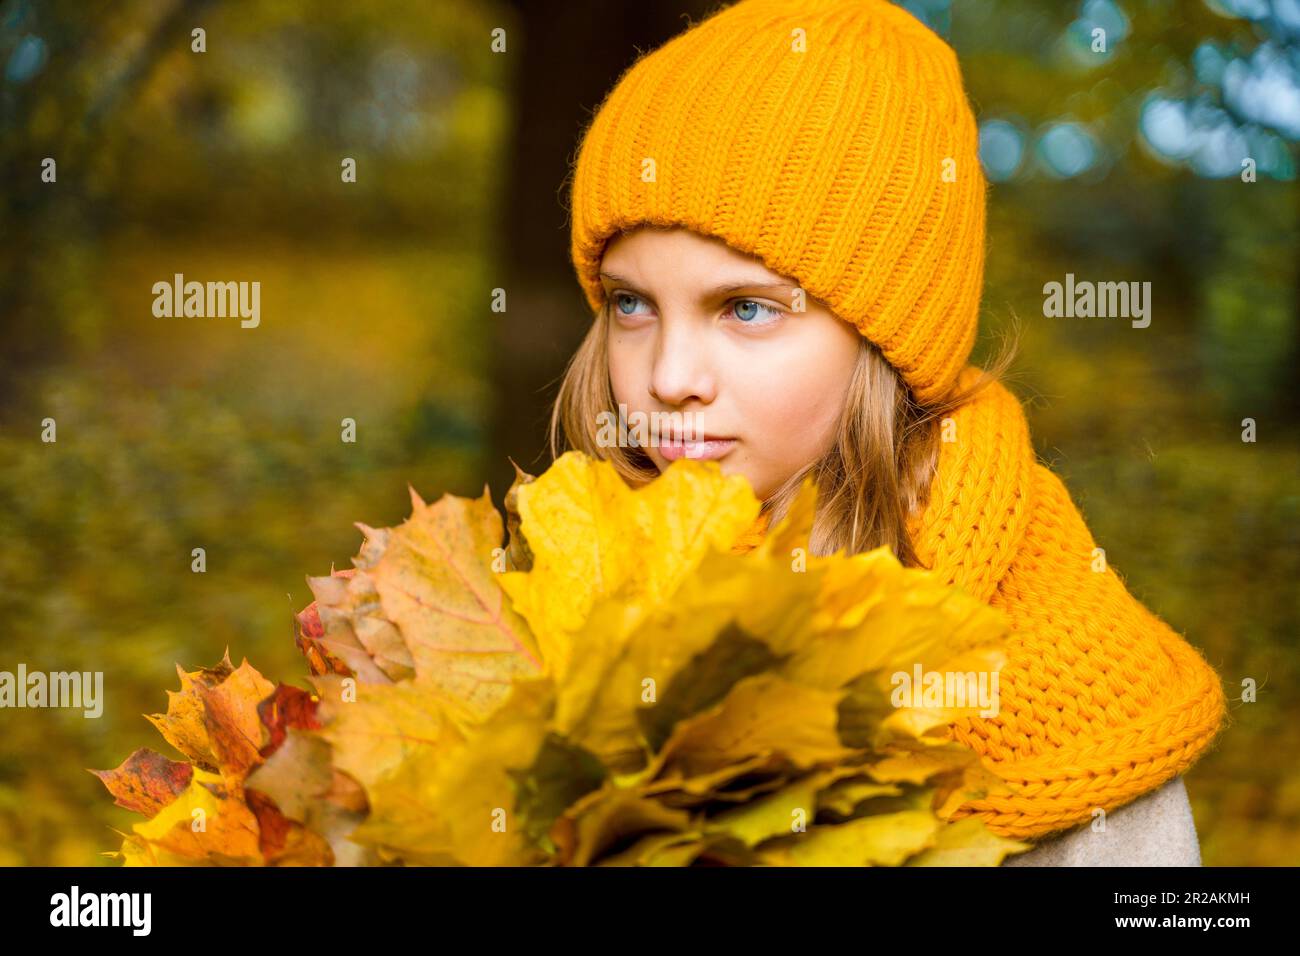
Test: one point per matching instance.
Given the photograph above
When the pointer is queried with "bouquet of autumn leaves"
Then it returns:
(613, 682)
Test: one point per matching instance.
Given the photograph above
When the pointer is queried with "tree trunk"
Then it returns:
(571, 54)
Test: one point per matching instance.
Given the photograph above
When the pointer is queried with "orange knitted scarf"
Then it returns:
(1100, 700)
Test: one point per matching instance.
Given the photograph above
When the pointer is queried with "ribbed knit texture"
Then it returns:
(1100, 701)
(828, 165)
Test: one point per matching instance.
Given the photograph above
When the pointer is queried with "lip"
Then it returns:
(708, 449)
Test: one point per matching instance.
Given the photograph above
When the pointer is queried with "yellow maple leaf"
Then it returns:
(593, 537)
(620, 685)
(437, 795)
(208, 821)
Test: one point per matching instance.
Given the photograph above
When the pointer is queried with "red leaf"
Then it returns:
(310, 631)
(146, 781)
(272, 825)
(287, 707)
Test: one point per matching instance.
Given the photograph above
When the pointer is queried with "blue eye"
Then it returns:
(622, 297)
(747, 311)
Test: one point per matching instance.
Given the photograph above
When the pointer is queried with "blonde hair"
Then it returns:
(875, 475)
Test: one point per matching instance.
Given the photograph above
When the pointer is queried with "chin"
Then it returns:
(759, 492)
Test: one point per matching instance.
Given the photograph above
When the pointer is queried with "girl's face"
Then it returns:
(701, 329)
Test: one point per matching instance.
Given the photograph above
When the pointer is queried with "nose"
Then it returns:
(682, 369)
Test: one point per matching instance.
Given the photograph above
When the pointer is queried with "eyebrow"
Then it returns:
(716, 291)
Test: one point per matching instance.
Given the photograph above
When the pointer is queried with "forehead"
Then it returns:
(682, 254)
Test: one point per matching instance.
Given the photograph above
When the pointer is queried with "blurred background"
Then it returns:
(1118, 160)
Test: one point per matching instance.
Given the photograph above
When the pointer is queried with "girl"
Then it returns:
(778, 221)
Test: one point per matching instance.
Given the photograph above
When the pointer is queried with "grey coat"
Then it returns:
(1156, 829)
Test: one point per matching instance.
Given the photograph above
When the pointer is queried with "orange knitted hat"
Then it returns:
(830, 139)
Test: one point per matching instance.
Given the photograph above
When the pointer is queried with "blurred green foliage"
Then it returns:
(183, 433)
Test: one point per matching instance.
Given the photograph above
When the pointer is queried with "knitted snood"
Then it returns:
(1100, 700)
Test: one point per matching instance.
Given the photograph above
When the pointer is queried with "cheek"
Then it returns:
(625, 378)
(796, 404)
